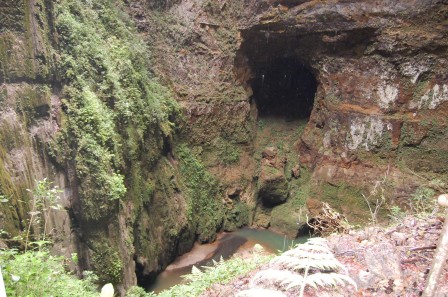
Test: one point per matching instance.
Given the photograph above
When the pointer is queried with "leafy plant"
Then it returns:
(136, 291)
(44, 201)
(396, 213)
(422, 201)
(310, 264)
(37, 273)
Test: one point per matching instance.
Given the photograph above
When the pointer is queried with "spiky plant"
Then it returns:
(309, 264)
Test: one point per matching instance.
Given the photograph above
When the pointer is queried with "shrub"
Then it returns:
(37, 273)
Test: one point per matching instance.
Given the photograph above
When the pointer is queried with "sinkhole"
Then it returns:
(284, 89)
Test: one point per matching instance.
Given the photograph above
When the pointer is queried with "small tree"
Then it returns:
(44, 200)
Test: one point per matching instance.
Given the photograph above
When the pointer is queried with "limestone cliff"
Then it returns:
(379, 112)
(278, 105)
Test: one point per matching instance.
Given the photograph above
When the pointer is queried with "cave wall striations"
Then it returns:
(29, 115)
(380, 109)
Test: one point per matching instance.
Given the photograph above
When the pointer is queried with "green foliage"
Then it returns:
(44, 201)
(137, 292)
(422, 201)
(309, 264)
(221, 272)
(237, 216)
(229, 154)
(396, 213)
(108, 262)
(112, 104)
(205, 209)
(37, 273)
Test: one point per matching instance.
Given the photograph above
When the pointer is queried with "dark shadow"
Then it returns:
(285, 88)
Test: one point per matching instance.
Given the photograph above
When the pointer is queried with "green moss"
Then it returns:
(428, 153)
(346, 199)
(237, 216)
(205, 209)
(5, 49)
(34, 103)
(228, 153)
(12, 15)
(3, 96)
(115, 111)
(14, 210)
(107, 261)
(288, 216)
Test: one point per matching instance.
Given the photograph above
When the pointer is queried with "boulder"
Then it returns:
(273, 186)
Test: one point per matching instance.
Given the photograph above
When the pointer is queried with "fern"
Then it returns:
(310, 264)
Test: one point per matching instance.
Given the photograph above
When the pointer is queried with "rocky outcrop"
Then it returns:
(380, 264)
(379, 110)
(273, 186)
(30, 111)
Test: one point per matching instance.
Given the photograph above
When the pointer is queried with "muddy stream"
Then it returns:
(225, 246)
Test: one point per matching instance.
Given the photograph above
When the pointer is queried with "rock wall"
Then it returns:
(104, 140)
(29, 116)
(379, 114)
(379, 118)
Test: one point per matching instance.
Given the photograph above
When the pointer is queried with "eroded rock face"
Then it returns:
(380, 109)
(273, 186)
(30, 108)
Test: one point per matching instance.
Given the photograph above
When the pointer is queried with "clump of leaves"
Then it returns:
(422, 201)
(310, 264)
(37, 273)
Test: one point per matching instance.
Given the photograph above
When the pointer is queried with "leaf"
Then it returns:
(195, 270)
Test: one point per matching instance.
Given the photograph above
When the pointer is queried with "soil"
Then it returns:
(391, 261)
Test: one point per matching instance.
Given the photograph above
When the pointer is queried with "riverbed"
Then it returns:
(225, 246)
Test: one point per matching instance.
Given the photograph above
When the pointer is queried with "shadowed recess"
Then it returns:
(284, 88)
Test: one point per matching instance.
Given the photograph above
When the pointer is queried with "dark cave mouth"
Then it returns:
(285, 89)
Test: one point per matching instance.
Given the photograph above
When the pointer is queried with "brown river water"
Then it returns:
(225, 246)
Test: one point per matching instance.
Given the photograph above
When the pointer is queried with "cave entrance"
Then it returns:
(284, 89)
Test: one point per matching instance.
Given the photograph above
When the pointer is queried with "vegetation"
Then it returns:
(45, 200)
(205, 209)
(112, 104)
(199, 280)
(37, 273)
(309, 264)
(34, 272)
